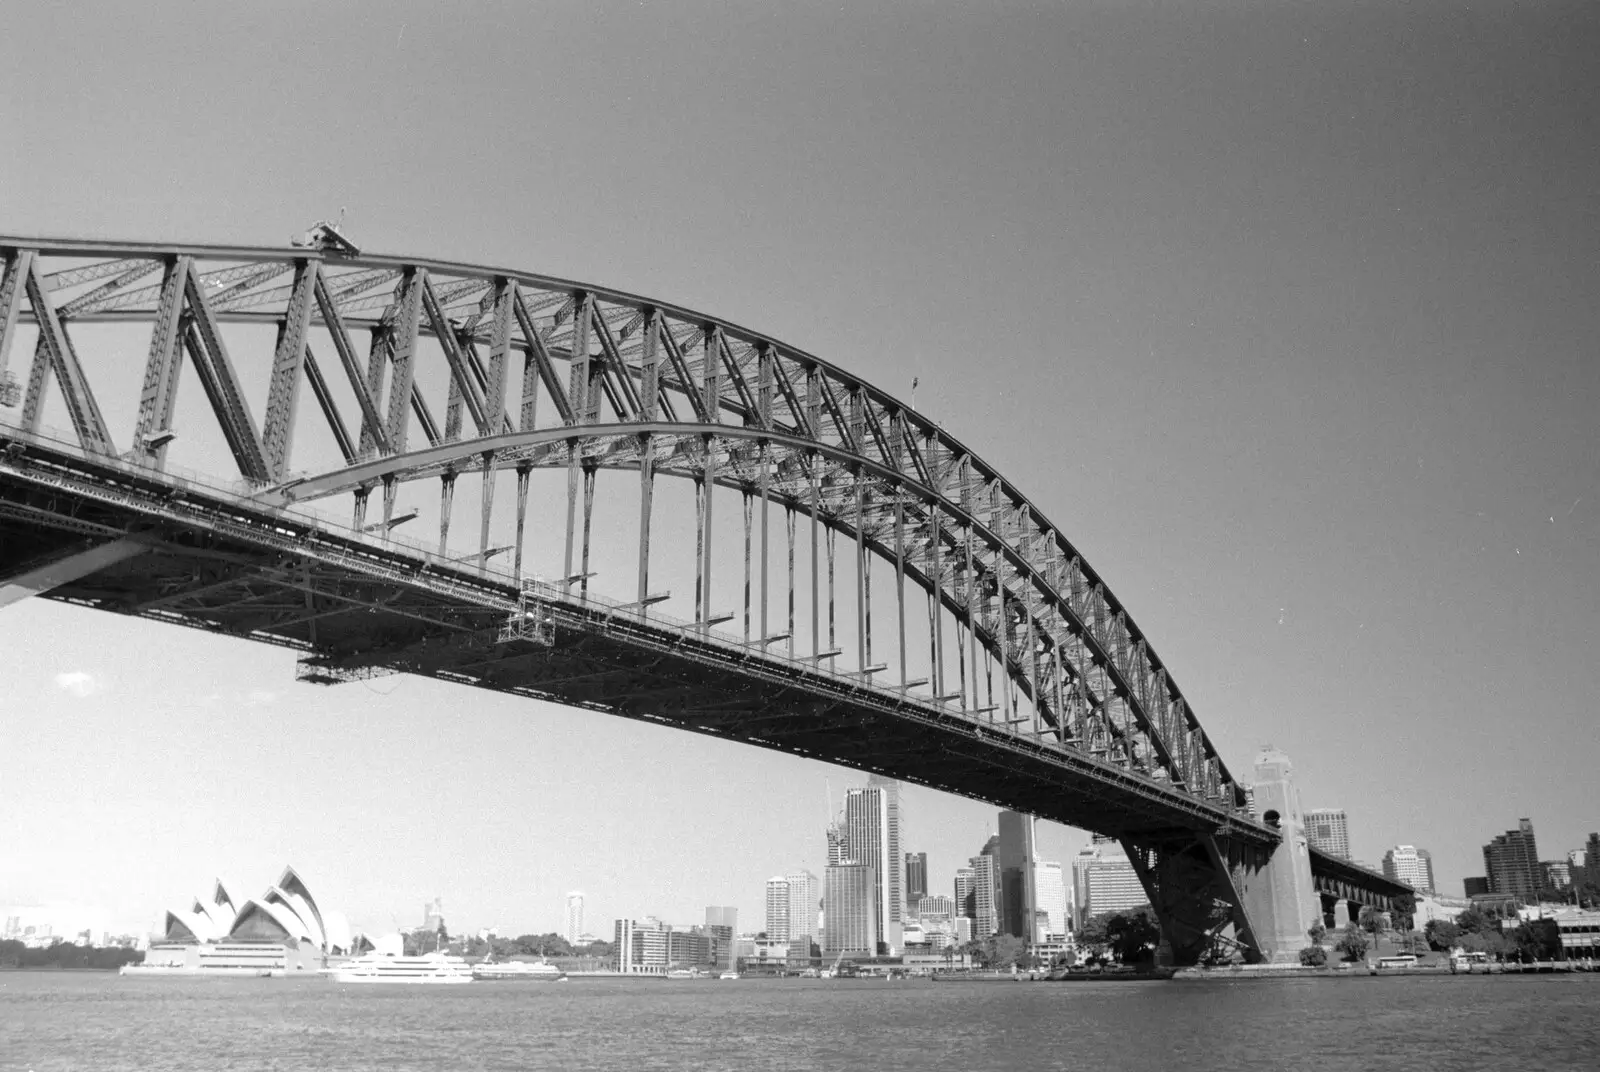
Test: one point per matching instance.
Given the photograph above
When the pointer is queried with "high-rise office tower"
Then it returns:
(1426, 859)
(916, 878)
(722, 924)
(1050, 887)
(986, 896)
(1328, 830)
(1408, 864)
(1591, 852)
(1018, 898)
(574, 916)
(778, 908)
(871, 816)
(804, 894)
(850, 911)
(894, 890)
(965, 907)
(1511, 863)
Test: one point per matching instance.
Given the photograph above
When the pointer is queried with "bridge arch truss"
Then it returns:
(433, 372)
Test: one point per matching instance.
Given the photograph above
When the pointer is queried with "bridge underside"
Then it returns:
(355, 611)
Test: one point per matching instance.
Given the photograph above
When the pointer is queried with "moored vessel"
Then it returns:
(519, 970)
(428, 969)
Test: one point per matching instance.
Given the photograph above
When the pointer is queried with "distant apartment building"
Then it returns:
(1411, 865)
(1511, 863)
(1591, 851)
(1475, 886)
(935, 907)
(850, 915)
(1328, 830)
(778, 908)
(1108, 882)
(722, 924)
(1051, 889)
(574, 916)
(1555, 874)
(965, 907)
(639, 946)
(805, 894)
(986, 896)
(649, 946)
(433, 914)
(1575, 858)
(916, 878)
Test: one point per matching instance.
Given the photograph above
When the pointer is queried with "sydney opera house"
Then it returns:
(282, 930)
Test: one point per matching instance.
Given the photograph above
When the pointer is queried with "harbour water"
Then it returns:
(60, 1021)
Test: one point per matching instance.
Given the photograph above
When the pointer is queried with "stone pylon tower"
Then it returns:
(1281, 901)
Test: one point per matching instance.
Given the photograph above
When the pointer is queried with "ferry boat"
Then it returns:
(541, 972)
(433, 969)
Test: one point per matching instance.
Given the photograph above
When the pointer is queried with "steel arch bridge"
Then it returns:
(1007, 671)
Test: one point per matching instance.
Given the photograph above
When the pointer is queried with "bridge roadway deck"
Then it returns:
(353, 604)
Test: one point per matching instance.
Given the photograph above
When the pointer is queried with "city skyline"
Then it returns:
(1299, 359)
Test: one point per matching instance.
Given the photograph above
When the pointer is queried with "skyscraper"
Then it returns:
(894, 891)
(1511, 863)
(868, 835)
(778, 908)
(804, 894)
(1591, 852)
(986, 894)
(1050, 887)
(849, 913)
(1018, 898)
(916, 878)
(1408, 864)
(1328, 830)
(574, 916)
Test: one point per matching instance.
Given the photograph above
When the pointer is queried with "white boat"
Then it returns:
(434, 969)
(522, 970)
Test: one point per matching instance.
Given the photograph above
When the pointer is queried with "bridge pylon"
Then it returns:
(1280, 896)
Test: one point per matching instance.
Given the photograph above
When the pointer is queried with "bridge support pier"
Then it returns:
(1341, 915)
(1218, 898)
(1195, 886)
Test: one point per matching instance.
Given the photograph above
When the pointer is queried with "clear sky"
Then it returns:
(1285, 312)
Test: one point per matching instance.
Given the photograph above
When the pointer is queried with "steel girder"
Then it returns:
(649, 386)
